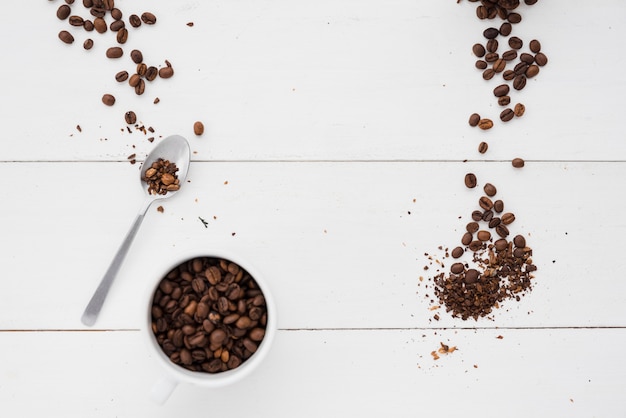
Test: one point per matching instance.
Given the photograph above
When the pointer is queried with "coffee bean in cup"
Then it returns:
(209, 315)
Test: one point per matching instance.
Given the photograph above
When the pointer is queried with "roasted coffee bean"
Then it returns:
(485, 203)
(475, 245)
(541, 59)
(66, 37)
(480, 64)
(494, 222)
(491, 33)
(151, 73)
(116, 13)
(466, 238)
(100, 25)
(471, 276)
(501, 90)
(97, 11)
(508, 75)
(470, 180)
(134, 80)
(498, 206)
(483, 235)
(457, 252)
(487, 215)
(472, 227)
(122, 36)
(489, 189)
(136, 56)
(485, 124)
(508, 218)
(108, 4)
(492, 45)
(535, 46)
(474, 119)
(504, 100)
(457, 268)
(148, 18)
(527, 58)
(519, 109)
(505, 29)
(482, 147)
(500, 244)
(76, 20)
(130, 117)
(499, 65)
(134, 20)
(519, 241)
(509, 55)
(477, 49)
(166, 72)
(491, 56)
(488, 74)
(142, 68)
(198, 128)
(532, 71)
(517, 162)
(520, 68)
(477, 215)
(514, 17)
(108, 99)
(482, 12)
(88, 44)
(88, 25)
(519, 82)
(506, 115)
(114, 52)
(257, 334)
(515, 42)
(63, 12)
(502, 230)
(117, 25)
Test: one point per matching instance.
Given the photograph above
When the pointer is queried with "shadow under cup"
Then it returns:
(211, 314)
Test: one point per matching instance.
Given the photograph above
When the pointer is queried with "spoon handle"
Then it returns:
(97, 300)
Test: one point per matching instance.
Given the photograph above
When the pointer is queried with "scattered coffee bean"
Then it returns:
(480, 64)
(134, 20)
(130, 117)
(76, 20)
(509, 55)
(491, 56)
(457, 268)
(116, 13)
(501, 90)
(518, 162)
(508, 75)
(489, 189)
(470, 180)
(477, 215)
(485, 124)
(474, 119)
(515, 42)
(457, 252)
(63, 12)
(472, 227)
(520, 68)
(488, 74)
(541, 59)
(166, 72)
(535, 46)
(527, 58)
(136, 56)
(198, 128)
(100, 25)
(519, 110)
(491, 33)
(519, 82)
(117, 25)
(140, 87)
(466, 239)
(122, 36)
(108, 99)
(504, 100)
(483, 235)
(477, 49)
(482, 147)
(499, 65)
(532, 71)
(88, 25)
(151, 73)
(114, 52)
(492, 45)
(506, 115)
(148, 18)
(134, 80)
(88, 44)
(485, 203)
(66, 37)
(508, 218)
(505, 29)
(514, 17)
(498, 206)
(502, 230)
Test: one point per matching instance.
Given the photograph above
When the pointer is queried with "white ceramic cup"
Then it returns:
(174, 374)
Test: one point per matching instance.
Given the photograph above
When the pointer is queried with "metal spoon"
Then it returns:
(174, 148)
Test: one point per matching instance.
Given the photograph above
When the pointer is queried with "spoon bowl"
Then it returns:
(175, 149)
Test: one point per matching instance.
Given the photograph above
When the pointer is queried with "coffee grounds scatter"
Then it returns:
(209, 315)
(161, 177)
(498, 269)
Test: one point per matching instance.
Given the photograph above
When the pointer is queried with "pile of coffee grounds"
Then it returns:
(495, 269)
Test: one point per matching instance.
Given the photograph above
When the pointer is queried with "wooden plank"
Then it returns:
(341, 244)
(330, 80)
(575, 373)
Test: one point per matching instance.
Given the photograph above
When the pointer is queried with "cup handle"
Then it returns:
(162, 389)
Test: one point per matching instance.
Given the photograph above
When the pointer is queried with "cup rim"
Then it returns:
(201, 378)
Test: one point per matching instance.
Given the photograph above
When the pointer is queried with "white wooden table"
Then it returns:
(333, 159)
